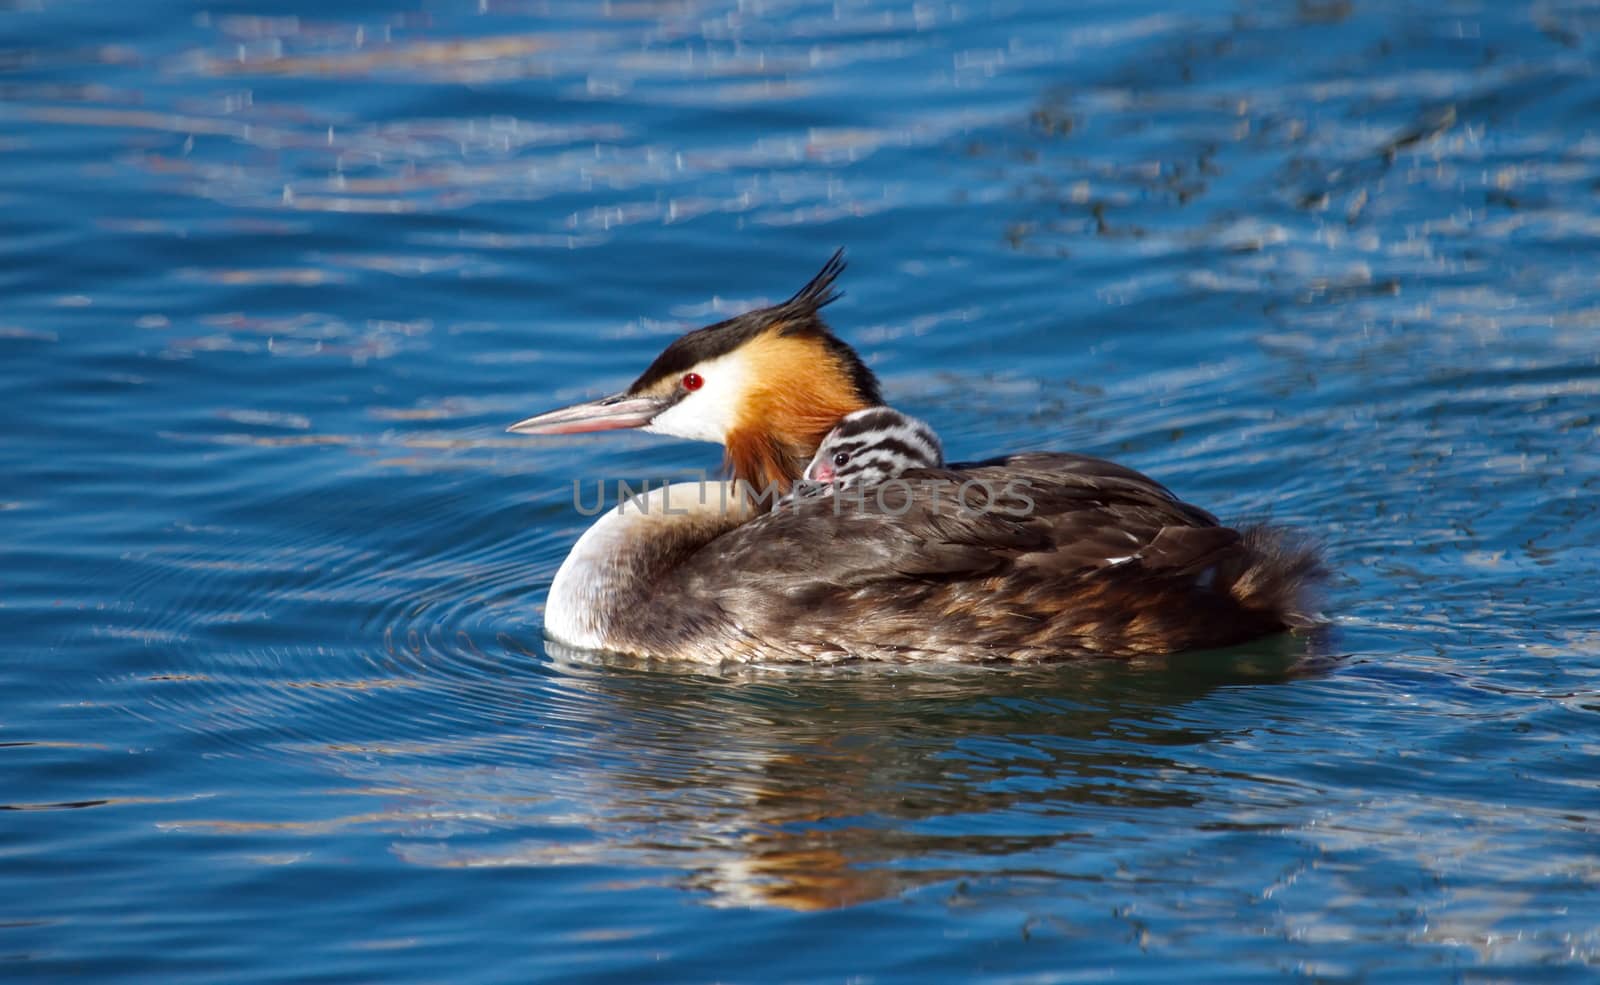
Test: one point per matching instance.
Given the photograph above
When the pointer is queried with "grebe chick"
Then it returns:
(868, 447)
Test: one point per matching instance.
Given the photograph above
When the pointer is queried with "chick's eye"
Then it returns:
(693, 381)
(841, 459)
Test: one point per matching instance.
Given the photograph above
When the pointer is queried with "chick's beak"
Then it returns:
(612, 413)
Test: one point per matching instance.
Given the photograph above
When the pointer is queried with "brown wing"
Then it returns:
(1044, 555)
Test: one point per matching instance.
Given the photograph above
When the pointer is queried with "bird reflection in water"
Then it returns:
(814, 789)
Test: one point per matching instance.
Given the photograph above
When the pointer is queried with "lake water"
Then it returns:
(275, 704)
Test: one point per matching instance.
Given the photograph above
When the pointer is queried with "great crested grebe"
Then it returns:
(1045, 555)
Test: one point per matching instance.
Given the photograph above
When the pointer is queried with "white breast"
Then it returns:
(602, 573)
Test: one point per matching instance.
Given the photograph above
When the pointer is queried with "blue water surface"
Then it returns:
(274, 277)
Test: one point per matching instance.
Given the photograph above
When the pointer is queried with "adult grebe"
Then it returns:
(1046, 555)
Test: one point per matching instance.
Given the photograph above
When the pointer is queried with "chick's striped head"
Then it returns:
(872, 446)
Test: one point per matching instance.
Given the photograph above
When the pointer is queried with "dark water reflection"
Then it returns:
(811, 791)
(274, 703)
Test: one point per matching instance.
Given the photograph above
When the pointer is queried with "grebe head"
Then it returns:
(868, 447)
(767, 385)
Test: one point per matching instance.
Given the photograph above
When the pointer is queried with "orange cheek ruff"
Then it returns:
(754, 458)
(801, 393)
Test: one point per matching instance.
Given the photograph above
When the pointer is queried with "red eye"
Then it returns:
(692, 381)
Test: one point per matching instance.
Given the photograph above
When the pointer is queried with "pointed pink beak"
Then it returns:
(613, 413)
